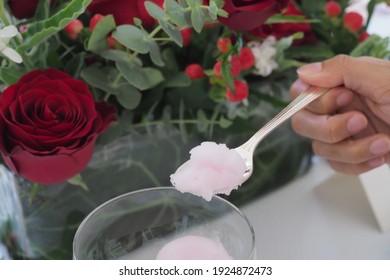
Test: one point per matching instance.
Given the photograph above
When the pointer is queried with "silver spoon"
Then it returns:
(247, 149)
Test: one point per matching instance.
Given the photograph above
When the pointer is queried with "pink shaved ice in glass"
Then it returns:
(212, 169)
(192, 247)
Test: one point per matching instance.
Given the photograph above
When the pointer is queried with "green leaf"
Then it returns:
(175, 12)
(155, 54)
(115, 55)
(225, 123)
(98, 40)
(97, 77)
(10, 75)
(217, 93)
(197, 20)
(132, 37)
(202, 121)
(172, 32)
(227, 73)
(154, 10)
(78, 181)
(128, 96)
(178, 80)
(40, 31)
(134, 74)
(155, 77)
(213, 10)
(278, 18)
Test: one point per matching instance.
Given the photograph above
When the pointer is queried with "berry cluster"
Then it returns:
(76, 26)
(352, 21)
(238, 62)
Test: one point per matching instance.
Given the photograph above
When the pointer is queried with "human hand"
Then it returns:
(349, 125)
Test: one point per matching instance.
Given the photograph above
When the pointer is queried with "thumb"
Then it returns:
(365, 75)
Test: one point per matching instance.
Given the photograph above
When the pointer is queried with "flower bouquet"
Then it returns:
(102, 97)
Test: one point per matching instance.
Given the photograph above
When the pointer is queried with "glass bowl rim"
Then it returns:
(169, 188)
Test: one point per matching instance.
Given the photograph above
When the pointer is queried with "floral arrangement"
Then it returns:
(64, 62)
(79, 73)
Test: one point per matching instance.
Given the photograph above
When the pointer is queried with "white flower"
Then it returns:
(264, 54)
(6, 34)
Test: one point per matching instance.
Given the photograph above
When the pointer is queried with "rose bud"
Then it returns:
(241, 91)
(224, 44)
(194, 71)
(73, 29)
(353, 21)
(186, 35)
(332, 8)
(235, 67)
(49, 123)
(247, 59)
(94, 20)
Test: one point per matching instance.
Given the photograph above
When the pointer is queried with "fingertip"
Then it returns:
(311, 68)
(356, 123)
(298, 87)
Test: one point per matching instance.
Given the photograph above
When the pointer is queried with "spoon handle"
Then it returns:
(297, 104)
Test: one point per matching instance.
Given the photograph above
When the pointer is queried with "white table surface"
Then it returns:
(321, 215)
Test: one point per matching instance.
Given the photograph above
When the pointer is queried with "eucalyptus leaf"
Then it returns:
(178, 80)
(98, 40)
(155, 54)
(202, 121)
(155, 77)
(224, 122)
(115, 55)
(172, 32)
(134, 74)
(154, 10)
(197, 20)
(132, 37)
(128, 96)
(97, 77)
(175, 12)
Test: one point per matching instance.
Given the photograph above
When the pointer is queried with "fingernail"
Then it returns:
(375, 162)
(300, 86)
(379, 146)
(356, 123)
(344, 98)
(311, 68)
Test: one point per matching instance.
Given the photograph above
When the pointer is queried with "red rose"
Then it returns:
(23, 8)
(124, 11)
(246, 15)
(48, 125)
(280, 30)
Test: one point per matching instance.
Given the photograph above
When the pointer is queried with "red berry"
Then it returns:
(94, 20)
(186, 35)
(223, 44)
(111, 42)
(241, 91)
(246, 57)
(73, 29)
(363, 36)
(194, 71)
(332, 8)
(353, 21)
(235, 67)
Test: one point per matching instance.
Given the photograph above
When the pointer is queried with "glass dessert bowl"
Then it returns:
(163, 223)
